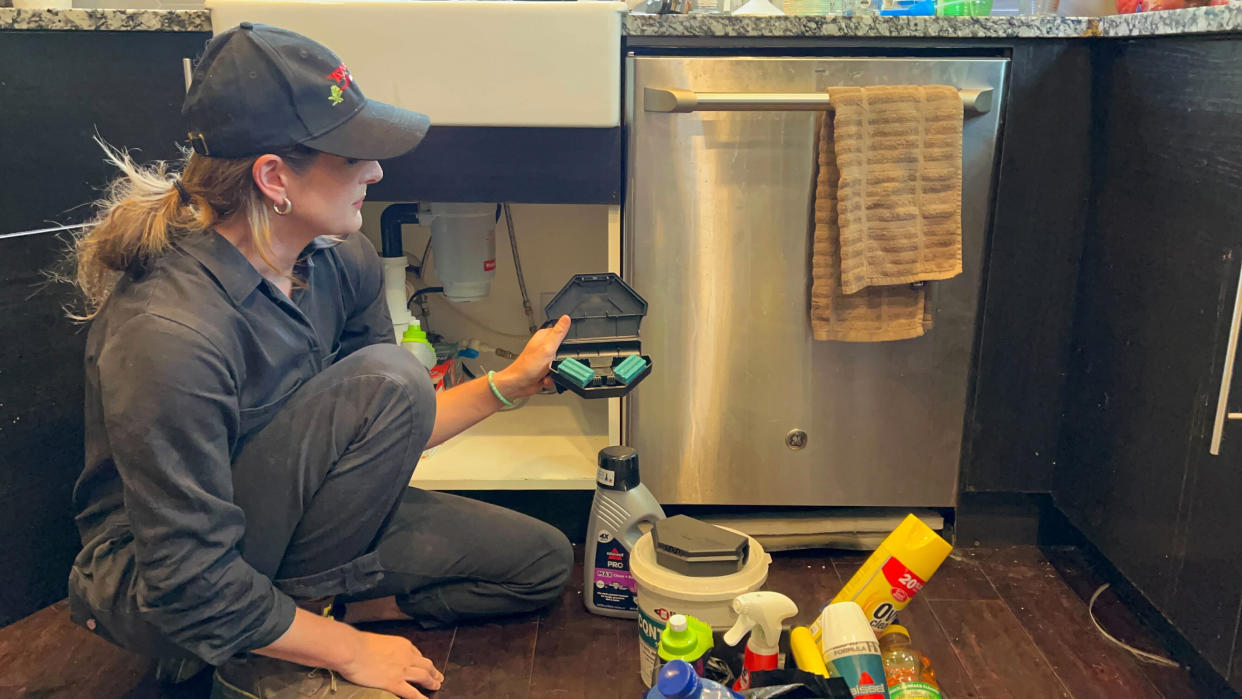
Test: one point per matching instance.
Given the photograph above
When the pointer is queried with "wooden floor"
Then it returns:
(996, 623)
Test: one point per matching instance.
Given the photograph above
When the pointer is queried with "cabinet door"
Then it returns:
(58, 89)
(1139, 393)
(1208, 595)
(1148, 334)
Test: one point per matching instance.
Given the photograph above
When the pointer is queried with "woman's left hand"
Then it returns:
(528, 374)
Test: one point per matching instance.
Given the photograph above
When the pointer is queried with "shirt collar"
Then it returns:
(321, 242)
(232, 271)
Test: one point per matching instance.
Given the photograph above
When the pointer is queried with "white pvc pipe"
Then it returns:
(394, 294)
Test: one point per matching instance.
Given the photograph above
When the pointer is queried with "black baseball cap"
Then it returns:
(260, 88)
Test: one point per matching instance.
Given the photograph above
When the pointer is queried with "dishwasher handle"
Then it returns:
(975, 101)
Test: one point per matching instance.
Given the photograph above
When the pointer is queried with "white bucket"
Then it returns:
(663, 593)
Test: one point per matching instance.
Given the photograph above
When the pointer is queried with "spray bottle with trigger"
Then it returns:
(760, 613)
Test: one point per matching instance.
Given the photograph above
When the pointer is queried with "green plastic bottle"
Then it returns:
(415, 340)
(963, 8)
(685, 638)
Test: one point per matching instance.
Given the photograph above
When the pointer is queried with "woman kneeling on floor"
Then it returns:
(251, 425)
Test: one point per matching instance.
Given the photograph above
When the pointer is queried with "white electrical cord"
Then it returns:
(1142, 655)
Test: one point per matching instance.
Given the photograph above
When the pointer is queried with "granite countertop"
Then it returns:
(1202, 20)
(1051, 27)
(1224, 19)
(107, 20)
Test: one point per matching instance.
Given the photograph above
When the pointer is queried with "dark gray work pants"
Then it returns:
(323, 486)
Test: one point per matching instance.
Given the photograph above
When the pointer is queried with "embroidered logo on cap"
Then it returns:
(341, 80)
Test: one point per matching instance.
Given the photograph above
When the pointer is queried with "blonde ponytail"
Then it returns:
(150, 207)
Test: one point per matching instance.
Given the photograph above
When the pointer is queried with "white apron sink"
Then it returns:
(549, 64)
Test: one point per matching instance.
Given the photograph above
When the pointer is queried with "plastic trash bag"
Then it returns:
(795, 684)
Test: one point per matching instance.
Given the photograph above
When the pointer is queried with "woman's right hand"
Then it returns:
(390, 663)
(528, 374)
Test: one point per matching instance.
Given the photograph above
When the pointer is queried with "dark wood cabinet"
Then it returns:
(1207, 601)
(40, 426)
(1035, 244)
(58, 90)
(1136, 396)
(1156, 303)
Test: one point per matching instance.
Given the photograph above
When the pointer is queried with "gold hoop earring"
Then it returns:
(287, 209)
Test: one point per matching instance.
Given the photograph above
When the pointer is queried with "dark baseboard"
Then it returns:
(981, 519)
(567, 510)
(1009, 519)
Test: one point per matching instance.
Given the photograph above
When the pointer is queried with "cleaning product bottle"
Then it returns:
(678, 680)
(685, 638)
(805, 651)
(963, 8)
(622, 503)
(760, 613)
(850, 647)
(909, 672)
(415, 340)
(891, 577)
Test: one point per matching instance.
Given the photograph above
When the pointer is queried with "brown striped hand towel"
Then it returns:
(887, 210)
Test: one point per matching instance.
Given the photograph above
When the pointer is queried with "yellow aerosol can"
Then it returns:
(894, 574)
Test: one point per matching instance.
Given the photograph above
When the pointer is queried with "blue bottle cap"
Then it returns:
(678, 680)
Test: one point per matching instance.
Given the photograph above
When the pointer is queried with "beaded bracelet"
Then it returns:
(496, 391)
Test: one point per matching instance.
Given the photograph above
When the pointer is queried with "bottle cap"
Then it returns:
(685, 638)
(677, 623)
(414, 333)
(844, 624)
(677, 680)
(895, 629)
(918, 547)
(618, 468)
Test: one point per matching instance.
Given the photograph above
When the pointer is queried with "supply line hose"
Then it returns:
(517, 265)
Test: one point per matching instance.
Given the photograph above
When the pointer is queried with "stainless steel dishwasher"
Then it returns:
(744, 407)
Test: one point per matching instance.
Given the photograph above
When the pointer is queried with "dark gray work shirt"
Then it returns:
(182, 365)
